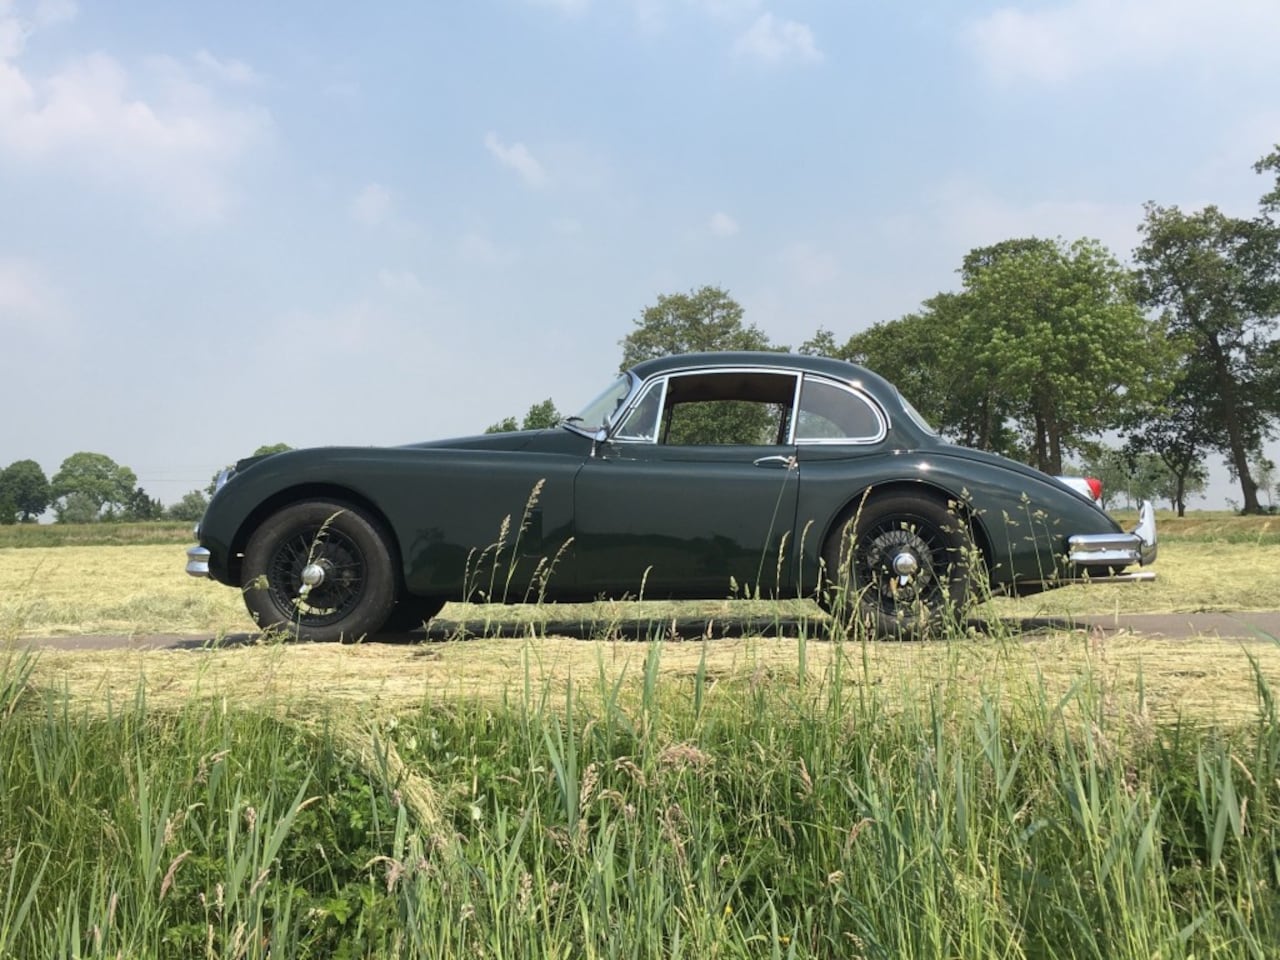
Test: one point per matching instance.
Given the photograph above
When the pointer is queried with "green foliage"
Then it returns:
(270, 448)
(540, 416)
(95, 534)
(78, 507)
(24, 492)
(88, 483)
(1059, 336)
(263, 451)
(1134, 476)
(686, 815)
(703, 320)
(1043, 349)
(190, 508)
(1216, 281)
(931, 358)
(140, 508)
(706, 319)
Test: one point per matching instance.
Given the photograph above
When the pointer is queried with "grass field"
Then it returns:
(589, 781)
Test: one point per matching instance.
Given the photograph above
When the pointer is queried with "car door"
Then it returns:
(676, 504)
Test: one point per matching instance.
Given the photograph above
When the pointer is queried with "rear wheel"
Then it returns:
(900, 566)
(319, 570)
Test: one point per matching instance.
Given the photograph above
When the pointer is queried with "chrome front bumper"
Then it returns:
(198, 561)
(1111, 550)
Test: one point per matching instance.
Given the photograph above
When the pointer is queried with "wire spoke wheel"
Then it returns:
(321, 570)
(902, 566)
(343, 570)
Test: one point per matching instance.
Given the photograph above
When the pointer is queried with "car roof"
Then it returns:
(784, 362)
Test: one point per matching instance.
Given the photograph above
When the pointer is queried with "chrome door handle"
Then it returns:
(774, 461)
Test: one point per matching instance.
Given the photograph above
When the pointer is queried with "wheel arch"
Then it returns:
(915, 488)
(302, 493)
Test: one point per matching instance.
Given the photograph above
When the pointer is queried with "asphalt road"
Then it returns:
(1263, 625)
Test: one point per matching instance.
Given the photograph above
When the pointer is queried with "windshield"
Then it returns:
(597, 413)
(914, 414)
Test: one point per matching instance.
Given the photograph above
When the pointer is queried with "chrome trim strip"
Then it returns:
(1138, 576)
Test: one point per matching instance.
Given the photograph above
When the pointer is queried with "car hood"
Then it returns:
(555, 439)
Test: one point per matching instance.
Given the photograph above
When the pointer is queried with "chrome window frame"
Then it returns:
(855, 389)
(610, 420)
(638, 397)
(634, 398)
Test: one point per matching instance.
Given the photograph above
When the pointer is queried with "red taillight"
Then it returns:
(1095, 487)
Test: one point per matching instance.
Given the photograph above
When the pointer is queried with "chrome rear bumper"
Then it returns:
(1089, 550)
(198, 561)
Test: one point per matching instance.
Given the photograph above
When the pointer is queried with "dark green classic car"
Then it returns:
(700, 476)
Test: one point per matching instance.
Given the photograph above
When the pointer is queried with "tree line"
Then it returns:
(92, 488)
(1048, 346)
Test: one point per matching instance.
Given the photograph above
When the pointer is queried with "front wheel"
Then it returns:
(900, 566)
(319, 570)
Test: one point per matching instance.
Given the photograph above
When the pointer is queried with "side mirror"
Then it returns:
(601, 436)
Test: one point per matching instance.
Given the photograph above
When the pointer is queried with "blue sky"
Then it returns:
(223, 225)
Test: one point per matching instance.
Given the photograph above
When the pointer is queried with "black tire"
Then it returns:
(357, 585)
(410, 614)
(899, 566)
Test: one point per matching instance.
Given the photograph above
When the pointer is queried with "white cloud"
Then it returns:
(772, 40)
(808, 266)
(722, 225)
(403, 284)
(516, 156)
(964, 215)
(156, 130)
(476, 248)
(1053, 44)
(570, 7)
(31, 311)
(235, 72)
(372, 205)
(727, 9)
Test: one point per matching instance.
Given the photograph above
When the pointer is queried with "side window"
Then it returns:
(832, 413)
(742, 407)
(641, 423)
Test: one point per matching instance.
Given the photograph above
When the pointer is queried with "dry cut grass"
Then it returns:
(1143, 679)
(135, 590)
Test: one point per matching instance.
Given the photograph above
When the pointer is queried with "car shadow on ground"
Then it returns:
(639, 629)
(702, 628)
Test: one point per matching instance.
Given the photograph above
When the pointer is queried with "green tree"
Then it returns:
(270, 448)
(703, 320)
(930, 357)
(1058, 333)
(1216, 281)
(1042, 349)
(266, 450)
(821, 344)
(1112, 468)
(77, 507)
(540, 416)
(1180, 431)
(706, 319)
(24, 491)
(190, 508)
(97, 481)
(141, 507)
